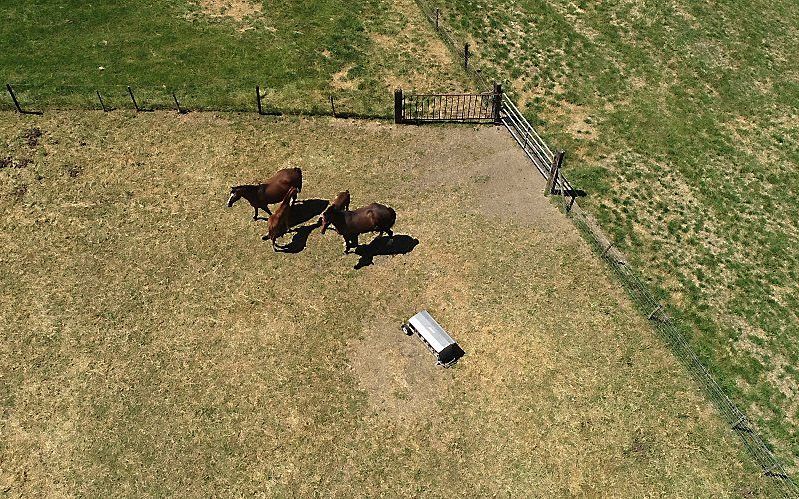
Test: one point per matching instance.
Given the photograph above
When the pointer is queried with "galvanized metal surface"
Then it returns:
(436, 339)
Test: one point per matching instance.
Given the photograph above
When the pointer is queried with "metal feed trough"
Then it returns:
(446, 350)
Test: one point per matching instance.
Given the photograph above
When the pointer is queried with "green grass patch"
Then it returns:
(213, 53)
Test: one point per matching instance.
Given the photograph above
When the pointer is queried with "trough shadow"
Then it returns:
(299, 240)
(400, 244)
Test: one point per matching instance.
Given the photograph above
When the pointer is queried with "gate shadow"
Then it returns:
(400, 244)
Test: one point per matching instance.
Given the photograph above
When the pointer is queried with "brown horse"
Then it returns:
(272, 191)
(370, 218)
(341, 202)
(279, 223)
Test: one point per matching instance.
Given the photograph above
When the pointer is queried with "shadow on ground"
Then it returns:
(301, 212)
(305, 209)
(300, 238)
(384, 245)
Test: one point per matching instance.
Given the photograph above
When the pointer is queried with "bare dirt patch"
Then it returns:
(342, 82)
(237, 10)
(397, 372)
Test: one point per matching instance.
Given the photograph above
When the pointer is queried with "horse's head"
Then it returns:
(325, 219)
(235, 195)
(327, 216)
(290, 194)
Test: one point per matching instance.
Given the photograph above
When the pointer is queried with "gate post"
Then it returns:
(552, 181)
(497, 103)
(398, 118)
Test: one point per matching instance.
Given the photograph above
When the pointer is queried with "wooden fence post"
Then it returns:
(466, 56)
(333, 105)
(552, 181)
(438, 14)
(398, 115)
(655, 311)
(497, 103)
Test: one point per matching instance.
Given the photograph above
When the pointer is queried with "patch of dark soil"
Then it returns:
(32, 136)
(19, 192)
(74, 170)
(642, 445)
(10, 162)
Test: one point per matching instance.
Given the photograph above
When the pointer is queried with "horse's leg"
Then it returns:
(255, 217)
(348, 243)
(266, 209)
(390, 234)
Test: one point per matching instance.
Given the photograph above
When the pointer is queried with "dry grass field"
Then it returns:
(153, 344)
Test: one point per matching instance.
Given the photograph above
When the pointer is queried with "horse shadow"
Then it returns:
(301, 212)
(300, 238)
(305, 209)
(384, 245)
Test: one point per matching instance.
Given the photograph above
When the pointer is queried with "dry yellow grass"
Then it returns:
(152, 343)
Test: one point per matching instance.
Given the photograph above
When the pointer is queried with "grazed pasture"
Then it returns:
(212, 54)
(153, 344)
(680, 120)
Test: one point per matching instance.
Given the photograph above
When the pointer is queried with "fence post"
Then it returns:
(655, 311)
(16, 102)
(438, 14)
(497, 103)
(398, 117)
(13, 97)
(177, 104)
(102, 104)
(466, 56)
(135, 104)
(258, 98)
(333, 105)
(552, 181)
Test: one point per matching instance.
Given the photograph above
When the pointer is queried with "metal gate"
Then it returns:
(464, 108)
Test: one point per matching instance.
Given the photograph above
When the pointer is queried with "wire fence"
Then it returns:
(462, 51)
(234, 98)
(547, 163)
(32, 97)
